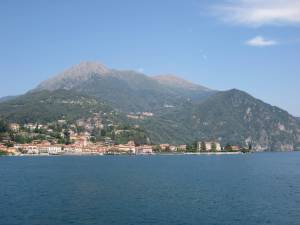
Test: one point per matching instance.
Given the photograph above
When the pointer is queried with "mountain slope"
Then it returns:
(7, 98)
(183, 112)
(46, 106)
(125, 90)
(177, 82)
(232, 117)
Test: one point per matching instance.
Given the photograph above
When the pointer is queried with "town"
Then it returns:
(60, 139)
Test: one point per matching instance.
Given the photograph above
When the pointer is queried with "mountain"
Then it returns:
(174, 81)
(169, 109)
(127, 91)
(47, 106)
(230, 117)
(7, 98)
(298, 118)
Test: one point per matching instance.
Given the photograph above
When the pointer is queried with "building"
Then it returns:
(30, 126)
(76, 149)
(181, 148)
(55, 149)
(127, 148)
(164, 147)
(235, 148)
(173, 148)
(80, 140)
(61, 122)
(14, 127)
(144, 149)
(149, 114)
(28, 149)
(209, 146)
(2, 147)
(108, 141)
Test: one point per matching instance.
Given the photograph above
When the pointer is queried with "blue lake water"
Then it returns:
(168, 190)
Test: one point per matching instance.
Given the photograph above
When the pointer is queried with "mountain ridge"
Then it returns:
(173, 80)
(146, 93)
(180, 111)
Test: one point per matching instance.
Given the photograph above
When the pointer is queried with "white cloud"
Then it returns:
(259, 41)
(259, 12)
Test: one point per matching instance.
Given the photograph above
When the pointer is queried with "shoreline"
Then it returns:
(101, 154)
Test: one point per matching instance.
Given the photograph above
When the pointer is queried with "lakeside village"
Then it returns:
(59, 139)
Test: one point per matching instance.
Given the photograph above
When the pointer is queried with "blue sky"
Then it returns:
(253, 45)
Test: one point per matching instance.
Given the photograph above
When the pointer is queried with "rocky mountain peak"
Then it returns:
(74, 75)
(87, 67)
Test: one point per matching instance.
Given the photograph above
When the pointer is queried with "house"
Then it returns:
(80, 140)
(149, 114)
(28, 148)
(55, 149)
(173, 148)
(209, 146)
(2, 147)
(30, 126)
(12, 151)
(14, 127)
(235, 148)
(73, 148)
(164, 147)
(144, 149)
(47, 148)
(181, 148)
(43, 147)
(127, 148)
(108, 141)
(61, 122)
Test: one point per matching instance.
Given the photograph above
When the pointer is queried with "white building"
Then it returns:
(144, 149)
(209, 146)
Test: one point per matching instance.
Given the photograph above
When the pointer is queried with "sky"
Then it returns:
(252, 45)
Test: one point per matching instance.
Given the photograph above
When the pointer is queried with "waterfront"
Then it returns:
(160, 189)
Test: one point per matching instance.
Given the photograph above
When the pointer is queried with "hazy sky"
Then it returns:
(253, 45)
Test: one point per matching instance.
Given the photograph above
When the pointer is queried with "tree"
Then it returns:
(192, 147)
(156, 148)
(228, 148)
(3, 127)
(113, 135)
(214, 147)
(9, 144)
(203, 146)
(67, 137)
(250, 146)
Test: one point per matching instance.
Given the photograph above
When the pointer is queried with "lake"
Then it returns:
(247, 189)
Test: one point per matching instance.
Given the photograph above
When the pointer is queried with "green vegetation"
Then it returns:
(46, 106)
(203, 146)
(231, 116)
(2, 153)
(213, 147)
(191, 147)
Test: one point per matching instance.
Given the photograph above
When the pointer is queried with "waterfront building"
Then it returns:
(181, 148)
(164, 147)
(127, 148)
(209, 146)
(144, 149)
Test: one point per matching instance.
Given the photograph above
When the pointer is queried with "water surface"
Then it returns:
(252, 189)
